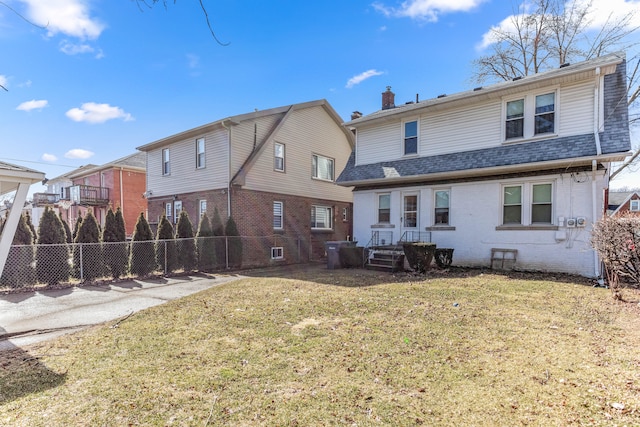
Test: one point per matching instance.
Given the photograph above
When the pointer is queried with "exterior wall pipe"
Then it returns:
(596, 112)
(228, 168)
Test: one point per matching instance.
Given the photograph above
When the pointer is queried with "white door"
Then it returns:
(409, 223)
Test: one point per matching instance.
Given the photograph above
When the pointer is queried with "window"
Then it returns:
(545, 113)
(166, 165)
(515, 119)
(177, 208)
(321, 217)
(200, 160)
(541, 204)
(322, 167)
(277, 253)
(441, 214)
(384, 208)
(530, 116)
(512, 205)
(277, 216)
(634, 205)
(203, 207)
(278, 162)
(345, 214)
(168, 210)
(410, 211)
(411, 137)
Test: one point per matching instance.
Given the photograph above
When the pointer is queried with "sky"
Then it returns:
(88, 81)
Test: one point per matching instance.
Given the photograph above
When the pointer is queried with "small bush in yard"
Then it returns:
(235, 243)
(419, 255)
(142, 260)
(87, 253)
(217, 228)
(617, 241)
(114, 238)
(166, 251)
(18, 269)
(187, 257)
(52, 253)
(206, 245)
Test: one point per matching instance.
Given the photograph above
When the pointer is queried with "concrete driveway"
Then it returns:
(30, 317)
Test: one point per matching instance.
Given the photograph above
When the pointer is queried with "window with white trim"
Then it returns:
(278, 218)
(168, 210)
(177, 208)
(530, 116)
(384, 208)
(166, 164)
(441, 206)
(634, 205)
(200, 159)
(278, 159)
(321, 217)
(527, 203)
(410, 136)
(345, 214)
(277, 252)
(322, 167)
(202, 208)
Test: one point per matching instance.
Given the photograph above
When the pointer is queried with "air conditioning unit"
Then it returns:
(581, 221)
(571, 223)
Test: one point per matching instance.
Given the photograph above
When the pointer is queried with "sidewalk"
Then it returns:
(31, 317)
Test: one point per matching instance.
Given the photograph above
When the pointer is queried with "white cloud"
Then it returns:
(49, 157)
(33, 105)
(601, 11)
(193, 60)
(69, 17)
(3, 80)
(91, 112)
(362, 77)
(78, 153)
(75, 48)
(428, 10)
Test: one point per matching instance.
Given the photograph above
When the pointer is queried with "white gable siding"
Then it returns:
(305, 132)
(465, 129)
(575, 109)
(379, 143)
(476, 211)
(184, 176)
(244, 135)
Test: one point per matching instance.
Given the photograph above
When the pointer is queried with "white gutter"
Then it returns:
(596, 112)
(228, 168)
(594, 212)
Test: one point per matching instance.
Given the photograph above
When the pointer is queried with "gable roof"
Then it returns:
(529, 156)
(67, 176)
(237, 119)
(616, 199)
(137, 160)
(12, 175)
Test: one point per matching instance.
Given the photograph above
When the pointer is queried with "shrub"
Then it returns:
(234, 242)
(187, 257)
(142, 258)
(18, 269)
(87, 252)
(67, 230)
(217, 228)
(617, 241)
(419, 255)
(52, 253)
(206, 249)
(166, 255)
(114, 238)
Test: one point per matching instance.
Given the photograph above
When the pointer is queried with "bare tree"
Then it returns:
(544, 34)
(151, 3)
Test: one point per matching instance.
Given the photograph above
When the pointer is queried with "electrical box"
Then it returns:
(560, 221)
(571, 222)
(581, 221)
(561, 235)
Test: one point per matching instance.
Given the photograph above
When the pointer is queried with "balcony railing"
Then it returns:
(40, 199)
(88, 195)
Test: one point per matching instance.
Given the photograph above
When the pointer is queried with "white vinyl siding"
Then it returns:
(575, 109)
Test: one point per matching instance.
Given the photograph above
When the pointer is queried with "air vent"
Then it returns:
(442, 96)
(477, 88)
(517, 78)
(566, 64)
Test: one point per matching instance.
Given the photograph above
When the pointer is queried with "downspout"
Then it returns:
(228, 168)
(594, 167)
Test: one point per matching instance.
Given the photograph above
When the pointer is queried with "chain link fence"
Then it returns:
(32, 265)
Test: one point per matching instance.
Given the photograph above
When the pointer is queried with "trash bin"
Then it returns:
(333, 252)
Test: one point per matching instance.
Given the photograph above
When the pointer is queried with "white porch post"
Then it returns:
(9, 230)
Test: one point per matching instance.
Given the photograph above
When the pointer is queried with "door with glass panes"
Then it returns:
(409, 221)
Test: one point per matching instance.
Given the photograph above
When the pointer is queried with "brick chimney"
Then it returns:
(356, 115)
(388, 99)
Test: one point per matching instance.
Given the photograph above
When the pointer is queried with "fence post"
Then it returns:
(226, 249)
(165, 257)
(81, 264)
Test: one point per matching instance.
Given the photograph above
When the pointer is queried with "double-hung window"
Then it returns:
(441, 214)
(278, 161)
(530, 116)
(322, 167)
(202, 208)
(278, 222)
(200, 159)
(321, 217)
(166, 164)
(527, 203)
(410, 137)
(384, 208)
(168, 211)
(634, 205)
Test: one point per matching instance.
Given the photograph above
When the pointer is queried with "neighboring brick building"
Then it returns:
(273, 171)
(120, 183)
(623, 201)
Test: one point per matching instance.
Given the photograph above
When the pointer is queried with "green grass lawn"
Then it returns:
(345, 347)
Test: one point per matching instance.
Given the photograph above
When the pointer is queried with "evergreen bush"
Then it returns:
(114, 238)
(187, 256)
(52, 253)
(142, 256)
(166, 252)
(234, 242)
(217, 229)
(88, 263)
(19, 270)
(205, 249)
